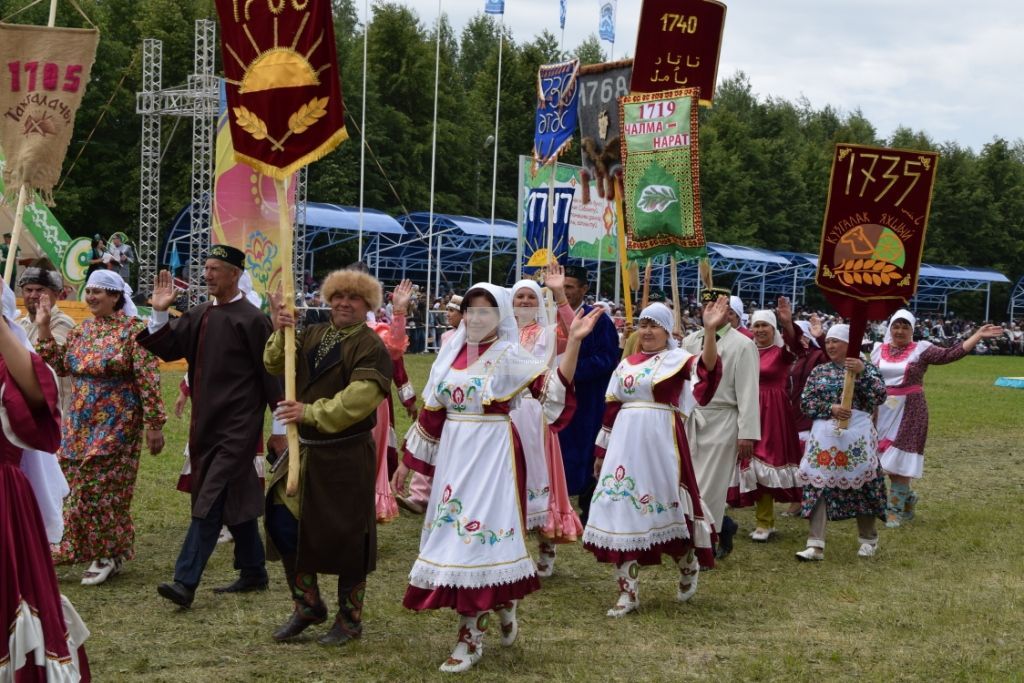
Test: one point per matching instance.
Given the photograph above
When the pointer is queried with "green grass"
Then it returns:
(943, 600)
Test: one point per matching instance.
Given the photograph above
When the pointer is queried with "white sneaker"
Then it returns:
(225, 536)
(811, 554)
(100, 570)
(760, 535)
(868, 547)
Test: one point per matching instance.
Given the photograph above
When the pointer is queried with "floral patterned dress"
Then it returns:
(647, 502)
(115, 395)
(841, 465)
(473, 554)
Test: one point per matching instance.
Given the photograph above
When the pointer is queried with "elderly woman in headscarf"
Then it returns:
(548, 510)
(43, 634)
(839, 471)
(647, 503)
(115, 401)
(472, 556)
(769, 474)
(903, 418)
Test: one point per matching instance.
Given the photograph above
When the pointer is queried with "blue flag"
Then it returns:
(561, 13)
(606, 28)
(494, 6)
(557, 96)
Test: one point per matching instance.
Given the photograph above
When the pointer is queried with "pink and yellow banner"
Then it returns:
(245, 213)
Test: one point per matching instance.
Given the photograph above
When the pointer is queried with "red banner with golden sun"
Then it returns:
(873, 233)
(283, 83)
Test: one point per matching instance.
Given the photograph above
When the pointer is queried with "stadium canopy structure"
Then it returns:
(405, 247)
(1016, 299)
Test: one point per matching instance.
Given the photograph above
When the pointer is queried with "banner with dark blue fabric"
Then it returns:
(535, 238)
(557, 96)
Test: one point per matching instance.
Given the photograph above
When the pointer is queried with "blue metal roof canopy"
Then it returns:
(749, 264)
(458, 242)
(327, 225)
(1016, 298)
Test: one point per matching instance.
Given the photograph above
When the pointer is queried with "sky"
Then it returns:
(951, 69)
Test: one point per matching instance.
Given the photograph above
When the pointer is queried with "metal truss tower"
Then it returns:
(198, 100)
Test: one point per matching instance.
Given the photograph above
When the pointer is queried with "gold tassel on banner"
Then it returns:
(704, 271)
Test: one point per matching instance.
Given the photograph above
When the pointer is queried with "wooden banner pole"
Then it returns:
(623, 260)
(551, 212)
(676, 308)
(286, 237)
(19, 224)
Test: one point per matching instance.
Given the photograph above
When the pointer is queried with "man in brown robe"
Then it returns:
(343, 371)
(223, 341)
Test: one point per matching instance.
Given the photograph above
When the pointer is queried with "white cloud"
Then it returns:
(951, 69)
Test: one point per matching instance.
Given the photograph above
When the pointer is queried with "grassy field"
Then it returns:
(943, 599)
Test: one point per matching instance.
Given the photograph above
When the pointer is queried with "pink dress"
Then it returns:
(394, 338)
(42, 634)
(773, 468)
(548, 509)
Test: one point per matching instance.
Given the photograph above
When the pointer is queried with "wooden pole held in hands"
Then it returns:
(623, 260)
(848, 382)
(286, 238)
(677, 309)
(19, 225)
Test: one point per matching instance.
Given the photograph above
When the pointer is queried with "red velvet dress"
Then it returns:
(38, 644)
(777, 454)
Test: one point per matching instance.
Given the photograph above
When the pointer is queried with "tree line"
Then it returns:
(764, 160)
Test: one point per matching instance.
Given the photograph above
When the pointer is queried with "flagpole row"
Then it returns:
(433, 175)
(494, 171)
(362, 134)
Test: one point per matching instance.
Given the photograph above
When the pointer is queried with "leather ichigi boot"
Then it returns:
(348, 624)
(470, 647)
(309, 608)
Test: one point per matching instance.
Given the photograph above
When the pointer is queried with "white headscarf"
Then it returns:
(508, 333)
(736, 304)
(902, 314)
(806, 327)
(767, 317)
(661, 315)
(112, 282)
(542, 309)
(245, 287)
(840, 331)
(40, 468)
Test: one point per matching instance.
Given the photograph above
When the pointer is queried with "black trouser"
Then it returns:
(201, 540)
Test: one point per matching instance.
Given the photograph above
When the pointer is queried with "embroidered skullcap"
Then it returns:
(229, 255)
(112, 282)
(840, 331)
(806, 327)
(454, 303)
(36, 275)
(661, 315)
(710, 295)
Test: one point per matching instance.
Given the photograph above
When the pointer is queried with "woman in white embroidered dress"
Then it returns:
(472, 555)
(903, 418)
(548, 509)
(647, 503)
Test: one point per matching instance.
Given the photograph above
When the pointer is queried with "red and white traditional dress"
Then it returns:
(43, 634)
(647, 503)
(903, 418)
(773, 468)
(473, 555)
(395, 339)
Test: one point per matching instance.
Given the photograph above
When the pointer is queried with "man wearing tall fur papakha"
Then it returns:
(223, 341)
(343, 373)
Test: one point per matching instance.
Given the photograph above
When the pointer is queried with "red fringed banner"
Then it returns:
(283, 84)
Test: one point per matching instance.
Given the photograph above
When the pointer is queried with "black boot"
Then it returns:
(348, 625)
(309, 608)
(729, 529)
